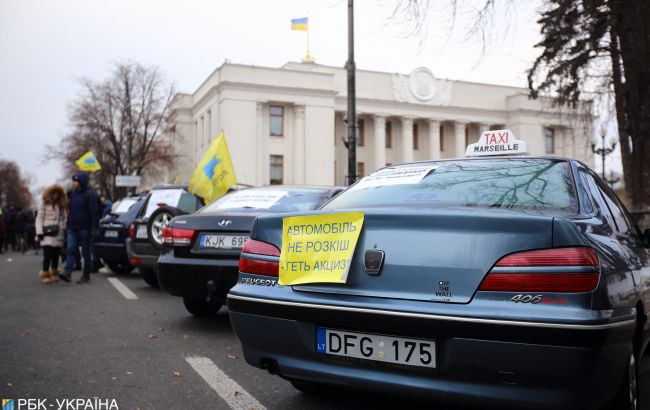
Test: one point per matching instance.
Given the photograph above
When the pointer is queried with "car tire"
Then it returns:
(628, 396)
(200, 307)
(120, 267)
(157, 221)
(149, 276)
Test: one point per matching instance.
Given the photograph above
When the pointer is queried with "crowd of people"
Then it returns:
(63, 227)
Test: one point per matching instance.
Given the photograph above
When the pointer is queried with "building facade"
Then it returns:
(287, 125)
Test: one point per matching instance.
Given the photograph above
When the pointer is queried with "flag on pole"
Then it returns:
(88, 163)
(215, 174)
(301, 24)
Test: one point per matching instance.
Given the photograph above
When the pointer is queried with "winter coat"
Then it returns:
(49, 214)
(20, 222)
(82, 206)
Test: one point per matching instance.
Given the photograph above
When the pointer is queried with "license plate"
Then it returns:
(223, 241)
(381, 348)
(141, 233)
(111, 234)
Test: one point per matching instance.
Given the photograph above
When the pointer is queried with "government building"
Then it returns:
(287, 125)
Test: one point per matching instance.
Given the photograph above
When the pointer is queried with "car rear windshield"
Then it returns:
(123, 205)
(177, 198)
(533, 183)
(269, 199)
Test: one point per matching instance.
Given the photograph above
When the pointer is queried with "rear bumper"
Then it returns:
(190, 276)
(110, 251)
(484, 362)
(147, 259)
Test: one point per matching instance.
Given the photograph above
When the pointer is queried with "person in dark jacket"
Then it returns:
(83, 217)
(2, 231)
(19, 228)
(10, 219)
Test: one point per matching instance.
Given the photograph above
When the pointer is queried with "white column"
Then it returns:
(261, 155)
(299, 145)
(380, 141)
(459, 138)
(434, 139)
(407, 139)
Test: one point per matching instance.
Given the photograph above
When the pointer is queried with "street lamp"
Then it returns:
(604, 150)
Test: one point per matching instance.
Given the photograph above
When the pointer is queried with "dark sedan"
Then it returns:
(505, 281)
(200, 255)
(110, 244)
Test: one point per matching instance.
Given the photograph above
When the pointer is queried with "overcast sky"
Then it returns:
(47, 46)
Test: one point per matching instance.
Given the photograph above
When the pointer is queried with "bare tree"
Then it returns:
(14, 185)
(124, 121)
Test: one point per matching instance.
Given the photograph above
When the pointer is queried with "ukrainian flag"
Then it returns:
(88, 163)
(301, 24)
(215, 174)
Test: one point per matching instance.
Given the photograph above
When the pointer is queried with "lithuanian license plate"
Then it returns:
(110, 234)
(381, 348)
(223, 241)
(141, 233)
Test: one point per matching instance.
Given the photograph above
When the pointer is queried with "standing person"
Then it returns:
(107, 204)
(20, 228)
(50, 225)
(2, 231)
(83, 218)
(10, 218)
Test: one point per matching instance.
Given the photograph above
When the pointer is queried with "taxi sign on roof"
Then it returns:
(497, 142)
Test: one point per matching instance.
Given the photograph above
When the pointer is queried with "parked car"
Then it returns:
(145, 233)
(505, 281)
(110, 243)
(200, 255)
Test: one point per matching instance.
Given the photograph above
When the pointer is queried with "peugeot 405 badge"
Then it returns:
(373, 261)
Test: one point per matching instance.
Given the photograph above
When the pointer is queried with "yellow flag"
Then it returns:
(88, 163)
(318, 248)
(215, 174)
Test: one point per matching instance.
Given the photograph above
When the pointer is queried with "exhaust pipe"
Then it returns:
(270, 365)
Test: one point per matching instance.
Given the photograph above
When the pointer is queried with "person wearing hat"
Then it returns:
(83, 218)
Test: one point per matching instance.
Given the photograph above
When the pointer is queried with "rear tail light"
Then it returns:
(177, 236)
(266, 264)
(131, 231)
(545, 270)
(135, 261)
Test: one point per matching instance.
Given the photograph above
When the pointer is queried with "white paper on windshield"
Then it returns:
(123, 206)
(257, 199)
(395, 176)
(164, 196)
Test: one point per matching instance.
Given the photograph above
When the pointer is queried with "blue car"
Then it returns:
(511, 281)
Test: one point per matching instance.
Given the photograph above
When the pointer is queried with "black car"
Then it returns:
(110, 243)
(200, 255)
(145, 233)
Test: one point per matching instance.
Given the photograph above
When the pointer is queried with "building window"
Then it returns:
(210, 125)
(466, 135)
(416, 136)
(389, 134)
(442, 137)
(277, 120)
(361, 169)
(277, 167)
(202, 132)
(361, 135)
(549, 140)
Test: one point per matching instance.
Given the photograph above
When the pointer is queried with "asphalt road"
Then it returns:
(67, 341)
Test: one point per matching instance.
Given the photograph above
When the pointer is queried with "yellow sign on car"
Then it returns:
(318, 248)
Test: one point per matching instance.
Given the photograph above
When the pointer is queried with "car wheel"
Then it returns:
(149, 276)
(628, 396)
(200, 307)
(157, 222)
(120, 267)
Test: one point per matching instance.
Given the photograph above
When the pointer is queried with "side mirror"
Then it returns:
(646, 238)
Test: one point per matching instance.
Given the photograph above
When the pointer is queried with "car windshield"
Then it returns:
(123, 205)
(502, 183)
(280, 199)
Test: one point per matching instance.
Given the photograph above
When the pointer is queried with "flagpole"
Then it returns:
(308, 58)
